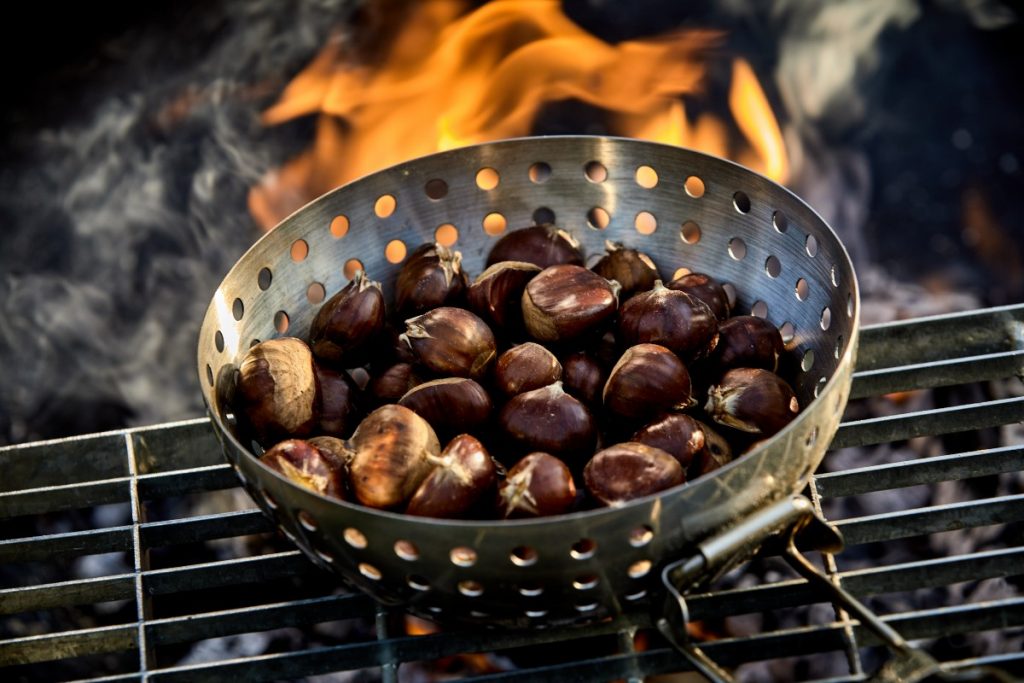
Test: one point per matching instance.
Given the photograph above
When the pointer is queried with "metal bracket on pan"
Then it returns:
(789, 521)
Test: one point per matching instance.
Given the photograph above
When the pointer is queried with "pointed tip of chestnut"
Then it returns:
(464, 473)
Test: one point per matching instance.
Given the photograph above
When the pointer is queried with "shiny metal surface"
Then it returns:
(588, 565)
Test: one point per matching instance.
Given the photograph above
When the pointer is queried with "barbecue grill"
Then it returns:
(141, 471)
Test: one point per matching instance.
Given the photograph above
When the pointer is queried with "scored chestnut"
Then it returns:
(537, 486)
(393, 451)
(451, 341)
(747, 341)
(526, 367)
(348, 324)
(496, 292)
(752, 400)
(277, 390)
(633, 270)
(705, 288)
(549, 420)
(694, 444)
(648, 380)
(463, 474)
(450, 405)
(625, 471)
(542, 245)
(565, 302)
(683, 324)
(303, 463)
(431, 276)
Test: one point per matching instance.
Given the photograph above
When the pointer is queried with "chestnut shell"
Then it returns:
(625, 471)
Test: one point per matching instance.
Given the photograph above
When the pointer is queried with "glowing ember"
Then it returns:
(449, 79)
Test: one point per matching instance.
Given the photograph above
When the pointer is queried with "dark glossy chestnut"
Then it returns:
(452, 341)
(542, 245)
(537, 486)
(304, 464)
(752, 400)
(681, 323)
(450, 405)
(583, 377)
(566, 302)
(393, 383)
(633, 270)
(431, 276)
(526, 367)
(277, 392)
(686, 439)
(747, 341)
(348, 324)
(339, 405)
(648, 380)
(626, 471)
(393, 451)
(549, 420)
(463, 475)
(495, 294)
(705, 288)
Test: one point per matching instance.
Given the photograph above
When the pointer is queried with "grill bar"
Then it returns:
(140, 467)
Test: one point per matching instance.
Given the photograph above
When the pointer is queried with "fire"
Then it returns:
(450, 79)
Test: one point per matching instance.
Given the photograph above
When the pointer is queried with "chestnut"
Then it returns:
(393, 383)
(583, 377)
(431, 276)
(524, 368)
(393, 451)
(338, 401)
(681, 323)
(648, 380)
(633, 270)
(565, 302)
(451, 341)
(752, 400)
(496, 292)
(348, 324)
(277, 390)
(463, 474)
(450, 405)
(549, 420)
(304, 464)
(625, 471)
(747, 341)
(537, 486)
(333, 449)
(705, 288)
(542, 245)
(694, 444)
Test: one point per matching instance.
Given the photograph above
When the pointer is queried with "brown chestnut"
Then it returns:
(648, 380)
(463, 474)
(625, 471)
(687, 440)
(705, 288)
(633, 270)
(333, 449)
(537, 486)
(524, 368)
(549, 420)
(277, 390)
(583, 377)
(542, 245)
(431, 276)
(304, 464)
(496, 292)
(338, 402)
(450, 405)
(393, 451)
(451, 341)
(565, 302)
(393, 383)
(347, 325)
(752, 400)
(747, 341)
(679, 322)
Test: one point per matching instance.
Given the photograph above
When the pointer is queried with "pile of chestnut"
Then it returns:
(538, 388)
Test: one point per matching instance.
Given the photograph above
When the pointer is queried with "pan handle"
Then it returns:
(788, 520)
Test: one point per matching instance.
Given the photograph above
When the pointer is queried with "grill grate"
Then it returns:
(161, 575)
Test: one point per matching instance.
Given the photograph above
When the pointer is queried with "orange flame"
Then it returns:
(450, 79)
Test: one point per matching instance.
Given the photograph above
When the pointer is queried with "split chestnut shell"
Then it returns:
(463, 474)
(536, 486)
(304, 464)
(277, 390)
